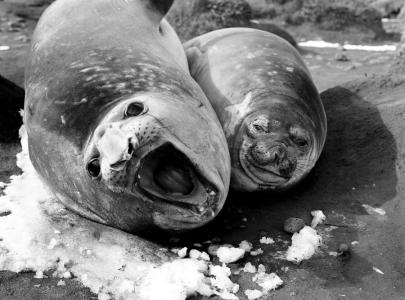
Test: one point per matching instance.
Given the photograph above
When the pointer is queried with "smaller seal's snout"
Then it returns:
(275, 156)
(263, 155)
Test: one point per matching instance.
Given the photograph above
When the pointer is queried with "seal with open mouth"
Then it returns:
(264, 97)
(117, 127)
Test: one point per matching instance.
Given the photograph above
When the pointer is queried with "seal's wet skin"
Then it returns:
(268, 106)
(117, 127)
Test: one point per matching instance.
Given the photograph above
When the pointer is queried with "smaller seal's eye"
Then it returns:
(300, 142)
(93, 167)
(258, 127)
(135, 109)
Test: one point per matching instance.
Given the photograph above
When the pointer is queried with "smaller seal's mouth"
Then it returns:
(266, 168)
(166, 175)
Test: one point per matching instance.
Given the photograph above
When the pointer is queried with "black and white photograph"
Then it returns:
(202, 149)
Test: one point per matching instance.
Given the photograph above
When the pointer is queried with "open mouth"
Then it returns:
(168, 176)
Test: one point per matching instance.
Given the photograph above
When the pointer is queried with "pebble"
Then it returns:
(292, 225)
(344, 252)
(341, 57)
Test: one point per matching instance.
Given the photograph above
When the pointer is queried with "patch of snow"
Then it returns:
(40, 234)
(374, 210)
(256, 252)
(229, 254)
(245, 245)
(268, 282)
(4, 48)
(175, 281)
(323, 44)
(249, 268)
(182, 252)
(205, 256)
(39, 275)
(195, 254)
(225, 288)
(266, 240)
(304, 244)
(318, 218)
(61, 283)
(253, 294)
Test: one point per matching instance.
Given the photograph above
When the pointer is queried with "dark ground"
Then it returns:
(363, 163)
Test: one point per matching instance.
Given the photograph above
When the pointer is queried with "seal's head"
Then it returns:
(142, 157)
(275, 148)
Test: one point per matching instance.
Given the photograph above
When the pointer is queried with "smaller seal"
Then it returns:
(264, 97)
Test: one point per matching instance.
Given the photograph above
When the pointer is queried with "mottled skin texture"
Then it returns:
(89, 61)
(265, 99)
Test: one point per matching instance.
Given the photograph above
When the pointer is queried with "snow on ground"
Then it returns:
(245, 245)
(318, 218)
(38, 234)
(229, 254)
(304, 244)
(374, 210)
(249, 268)
(253, 294)
(323, 44)
(266, 240)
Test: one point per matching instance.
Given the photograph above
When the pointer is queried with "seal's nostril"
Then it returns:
(130, 147)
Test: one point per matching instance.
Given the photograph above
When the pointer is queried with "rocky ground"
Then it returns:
(362, 164)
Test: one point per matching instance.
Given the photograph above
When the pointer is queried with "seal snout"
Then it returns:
(116, 146)
(276, 156)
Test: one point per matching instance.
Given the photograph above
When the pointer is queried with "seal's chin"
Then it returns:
(269, 177)
(169, 179)
(273, 176)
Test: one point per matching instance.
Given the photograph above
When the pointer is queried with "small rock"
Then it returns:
(341, 57)
(344, 252)
(292, 225)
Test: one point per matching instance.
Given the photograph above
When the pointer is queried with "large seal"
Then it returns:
(269, 108)
(117, 127)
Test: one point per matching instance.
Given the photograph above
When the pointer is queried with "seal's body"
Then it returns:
(116, 126)
(268, 106)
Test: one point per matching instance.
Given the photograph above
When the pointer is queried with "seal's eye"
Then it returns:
(299, 137)
(93, 167)
(135, 109)
(258, 127)
(300, 142)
